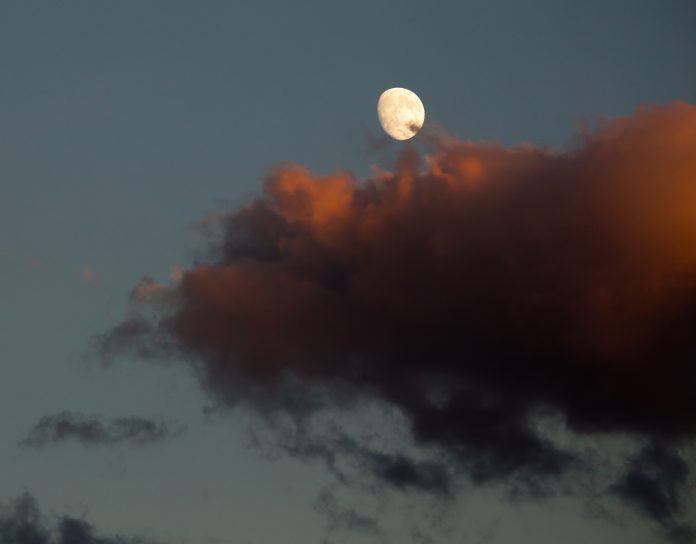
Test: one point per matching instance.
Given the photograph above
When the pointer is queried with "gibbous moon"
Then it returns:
(400, 113)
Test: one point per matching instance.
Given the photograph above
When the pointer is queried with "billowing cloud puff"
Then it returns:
(470, 290)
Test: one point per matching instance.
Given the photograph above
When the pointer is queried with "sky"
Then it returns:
(129, 131)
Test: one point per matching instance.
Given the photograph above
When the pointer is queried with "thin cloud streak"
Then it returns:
(94, 431)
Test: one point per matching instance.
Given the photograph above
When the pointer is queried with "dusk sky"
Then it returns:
(234, 311)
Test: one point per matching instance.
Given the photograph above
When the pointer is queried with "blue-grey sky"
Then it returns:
(122, 124)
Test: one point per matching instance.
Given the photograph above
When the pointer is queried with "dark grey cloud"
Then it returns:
(655, 484)
(354, 462)
(344, 518)
(21, 522)
(404, 473)
(93, 430)
(471, 291)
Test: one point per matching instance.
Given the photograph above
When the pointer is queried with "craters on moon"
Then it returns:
(400, 113)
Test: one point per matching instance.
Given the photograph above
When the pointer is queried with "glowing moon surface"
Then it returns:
(400, 113)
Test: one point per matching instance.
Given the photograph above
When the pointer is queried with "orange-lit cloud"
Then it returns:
(505, 279)
(88, 274)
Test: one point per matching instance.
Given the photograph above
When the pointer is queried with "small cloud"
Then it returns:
(147, 288)
(21, 522)
(342, 518)
(176, 273)
(88, 274)
(92, 430)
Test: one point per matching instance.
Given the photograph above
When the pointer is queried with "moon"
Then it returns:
(400, 113)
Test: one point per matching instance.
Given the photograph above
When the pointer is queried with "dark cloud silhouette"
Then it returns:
(342, 518)
(21, 522)
(92, 430)
(339, 451)
(472, 291)
(405, 473)
(655, 485)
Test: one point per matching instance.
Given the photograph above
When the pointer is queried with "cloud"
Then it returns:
(176, 273)
(148, 288)
(473, 290)
(21, 522)
(92, 430)
(344, 518)
(348, 458)
(88, 274)
(404, 473)
(655, 485)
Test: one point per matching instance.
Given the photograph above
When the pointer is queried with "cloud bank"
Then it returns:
(472, 290)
